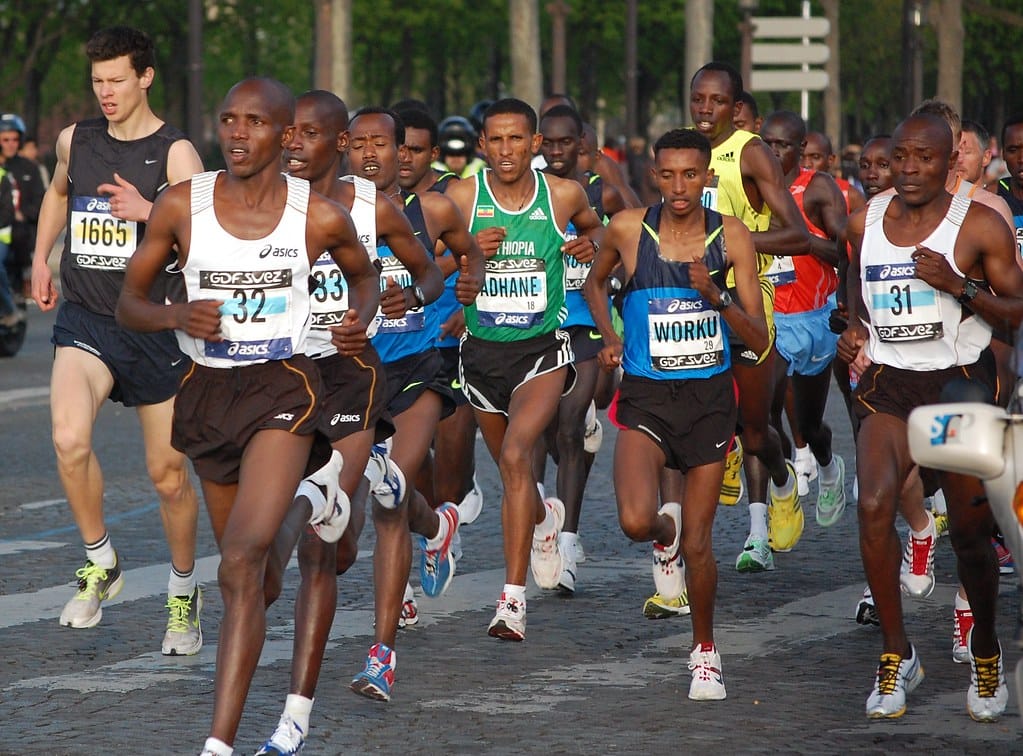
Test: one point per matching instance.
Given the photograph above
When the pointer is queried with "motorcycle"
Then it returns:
(984, 441)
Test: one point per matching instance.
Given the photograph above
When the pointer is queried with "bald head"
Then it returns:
(788, 123)
(926, 127)
(276, 97)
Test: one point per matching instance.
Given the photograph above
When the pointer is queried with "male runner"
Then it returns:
(516, 361)
(923, 261)
(561, 129)
(1010, 188)
(248, 408)
(109, 171)
(676, 405)
(747, 114)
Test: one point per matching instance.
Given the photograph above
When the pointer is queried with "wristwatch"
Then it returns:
(724, 301)
(969, 292)
(417, 295)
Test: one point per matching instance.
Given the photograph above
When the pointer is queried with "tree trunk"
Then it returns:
(699, 43)
(948, 26)
(524, 28)
(341, 42)
(833, 94)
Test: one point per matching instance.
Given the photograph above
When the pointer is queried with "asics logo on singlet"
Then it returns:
(271, 251)
(685, 305)
(897, 271)
(538, 215)
(98, 203)
(504, 318)
(248, 350)
(727, 157)
(339, 418)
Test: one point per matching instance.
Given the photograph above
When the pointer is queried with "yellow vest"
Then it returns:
(732, 199)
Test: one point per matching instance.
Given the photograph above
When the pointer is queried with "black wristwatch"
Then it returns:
(418, 296)
(970, 291)
(724, 301)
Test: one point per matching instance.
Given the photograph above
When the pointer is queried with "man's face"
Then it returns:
(373, 152)
(784, 141)
(560, 145)
(1012, 153)
(920, 162)
(711, 106)
(875, 167)
(744, 118)
(416, 157)
(251, 135)
(680, 175)
(315, 145)
(118, 89)
(508, 145)
(9, 143)
(973, 157)
(815, 155)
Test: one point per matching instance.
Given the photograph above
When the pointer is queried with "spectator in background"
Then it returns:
(640, 164)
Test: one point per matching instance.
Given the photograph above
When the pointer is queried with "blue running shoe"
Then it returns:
(437, 566)
(377, 679)
(287, 740)
(386, 480)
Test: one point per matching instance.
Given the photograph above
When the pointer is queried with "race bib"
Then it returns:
(781, 271)
(255, 319)
(709, 198)
(329, 297)
(99, 241)
(514, 293)
(414, 318)
(685, 334)
(902, 307)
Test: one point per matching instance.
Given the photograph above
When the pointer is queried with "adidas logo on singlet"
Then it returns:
(538, 214)
(727, 157)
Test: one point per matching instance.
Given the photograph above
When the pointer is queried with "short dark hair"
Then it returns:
(734, 77)
(983, 135)
(409, 103)
(683, 139)
(414, 118)
(115, 41)
(399, 125)
(337, 107)
(563, 111)
(1014, 120)
(750, 101)
(511, 106)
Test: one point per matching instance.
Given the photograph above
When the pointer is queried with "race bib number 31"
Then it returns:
(902, 307)
(99, 241)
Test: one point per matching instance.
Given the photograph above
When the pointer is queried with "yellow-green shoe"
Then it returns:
(731, 483)
(656, 607)
(784, 516)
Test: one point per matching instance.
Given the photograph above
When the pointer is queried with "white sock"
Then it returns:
(549, 525)
(928, 531)
(540, 488)
(785, 490)
(961, 603)
(517, 592)
(101, 553)
(218, 747)
(828, 473)
(181, 583)
(298, 708)
(802, 454)
(758, 520)
(442, 532)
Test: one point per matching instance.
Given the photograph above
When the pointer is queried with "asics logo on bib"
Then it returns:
(98, 203)
(504, 318)
(248, 350)
(271, 251)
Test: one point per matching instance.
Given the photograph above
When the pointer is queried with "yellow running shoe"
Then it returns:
(656, 607)
(731, 484)
(784, 516)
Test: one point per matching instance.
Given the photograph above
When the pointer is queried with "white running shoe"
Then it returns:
(917, 572)
(669, 578)
(409, 609)
(566, 583)
(386, 480)
(866, 612)
(95, 585)
(962, 624)
(895, 678)
(594, 434)
(288, 739)
(707, 683)
(755, 556)
(509, 621)
(331, 510)
(806, 471)
(471, 505)
(545, 556)
(988, 693)
(184, 630)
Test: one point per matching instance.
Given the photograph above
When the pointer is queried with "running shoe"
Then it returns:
(784, 517)
(437, 566)
(731, 484)
(917, 573)
(545, 556)
(705, 665)
(377, 679)
(95, 585)
(658, 607)
(409, 609)
(566, 583)
(755, 556)
(387, 482)
(866, 612)
(806, 472)
(509, 621)
(184, 633)
(895, 678)
(1006, 565)
(580, 553)
(669, 577)
(471, 505)
(988, 693)
(831, 499)
(331, 507)
(287, 740)
(594, 434)
(962, 624)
